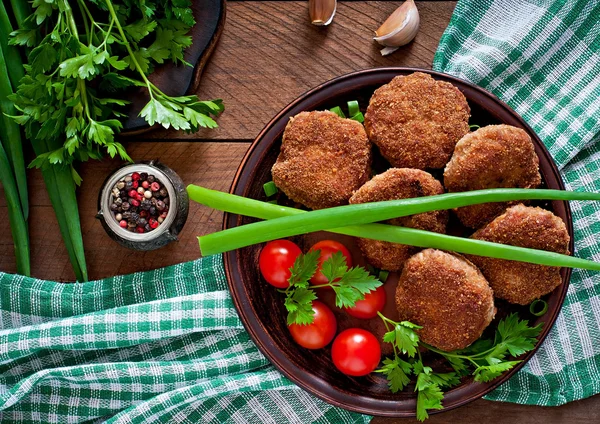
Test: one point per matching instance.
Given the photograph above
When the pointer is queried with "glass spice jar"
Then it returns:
(169, 187)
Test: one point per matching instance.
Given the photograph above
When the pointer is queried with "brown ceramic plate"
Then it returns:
(178, 80)
(261, 307)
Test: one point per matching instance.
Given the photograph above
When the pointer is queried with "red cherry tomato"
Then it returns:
(275, 261)
(328, 248)
(370, 305)
(318, 334)
(356, 352)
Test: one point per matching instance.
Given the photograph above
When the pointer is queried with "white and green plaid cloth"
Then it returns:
(168, 346)
(542, 57)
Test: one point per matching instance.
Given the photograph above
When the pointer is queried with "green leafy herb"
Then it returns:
(485, 359)
(299, 306)
(429, 388)
(349, 285)
(84, 53)
(404, 337)
(304, 268)
(397, 372)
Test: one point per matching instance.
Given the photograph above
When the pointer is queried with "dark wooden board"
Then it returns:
(177, 80)
(269, 54)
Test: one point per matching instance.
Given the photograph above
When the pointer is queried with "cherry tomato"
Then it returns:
(318, 334)
(328, 248)
(275, 261)
(370, 305)
(356, 352)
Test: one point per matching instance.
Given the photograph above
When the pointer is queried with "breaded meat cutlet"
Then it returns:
(416, 121)
(492, 157)
(323, 159)
(446, 295)
(399, 183)
(524, 226)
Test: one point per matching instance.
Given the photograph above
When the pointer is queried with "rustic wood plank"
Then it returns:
(269, 54)
(482, 411)
(211, 165)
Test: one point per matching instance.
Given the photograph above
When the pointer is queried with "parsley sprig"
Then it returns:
(485, 359)
(349, 285)
(83, 55)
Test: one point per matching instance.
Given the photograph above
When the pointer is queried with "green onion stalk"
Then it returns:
(58, 179)
(357, 221)
(11, 72)
(16, 221)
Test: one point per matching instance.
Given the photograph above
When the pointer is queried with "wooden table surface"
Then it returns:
(268, 55)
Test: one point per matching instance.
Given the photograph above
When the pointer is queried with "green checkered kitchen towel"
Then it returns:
(167, 345)
(160, 346)
(543, 58)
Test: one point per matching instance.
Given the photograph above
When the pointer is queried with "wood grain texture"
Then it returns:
(269, 54)
(481, 411)
(208, 164)
(178, 79)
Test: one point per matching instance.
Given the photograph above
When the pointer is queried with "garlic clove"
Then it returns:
(321, 11)
(399, 28)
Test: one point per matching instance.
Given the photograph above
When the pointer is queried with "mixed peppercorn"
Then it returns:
(140, 202)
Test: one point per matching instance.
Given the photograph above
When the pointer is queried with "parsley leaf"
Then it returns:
(396, 370)
(487, 373)
(299, 306)
(350, 285)
(335, 267)
(304, 268)
(516, 336)
(429, 393)
(404, 337)
(140, 29)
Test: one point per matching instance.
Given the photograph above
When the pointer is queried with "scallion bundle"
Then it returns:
(357, 220)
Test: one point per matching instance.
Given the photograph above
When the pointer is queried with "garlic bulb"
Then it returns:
(399, 29)
(321, 11)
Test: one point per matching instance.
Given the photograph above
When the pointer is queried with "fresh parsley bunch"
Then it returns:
(485, 359)
(349, 285)
(83, 55)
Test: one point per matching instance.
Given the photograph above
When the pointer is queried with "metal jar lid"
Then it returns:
(170, 227)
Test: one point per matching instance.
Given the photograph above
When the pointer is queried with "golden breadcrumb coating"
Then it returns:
(416, 121)
(446, 295)
(523, 226)
(399, 183)
(491, 157)
(323, 159)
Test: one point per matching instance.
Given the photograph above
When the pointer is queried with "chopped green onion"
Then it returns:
(371, 269)
(270, 189)
(534, 306)
(353, 108)
(474, 127)
(383, 275)
(338, 111)
(273, 202)
(342, 220)
(358, 117)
